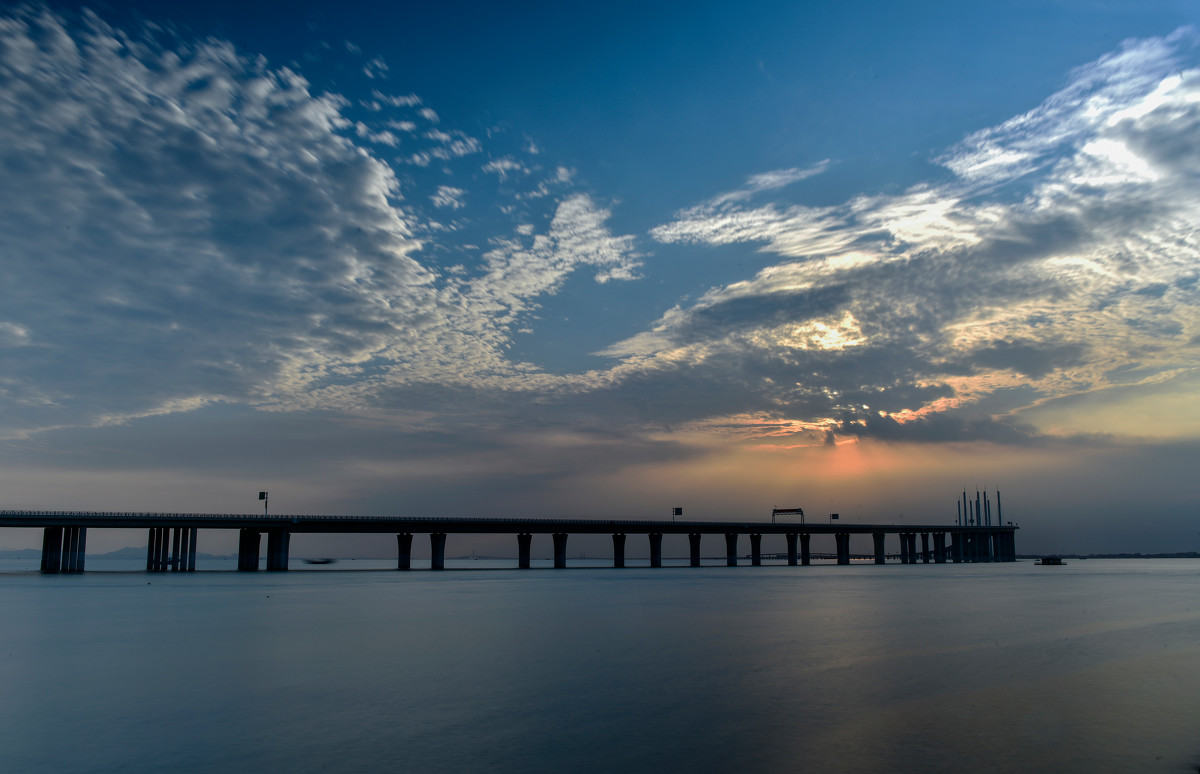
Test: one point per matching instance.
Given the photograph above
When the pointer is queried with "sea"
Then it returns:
(355, 667)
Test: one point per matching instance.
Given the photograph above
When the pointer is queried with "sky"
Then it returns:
(459, 259)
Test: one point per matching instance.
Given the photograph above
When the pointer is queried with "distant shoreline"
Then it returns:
(1176, 555)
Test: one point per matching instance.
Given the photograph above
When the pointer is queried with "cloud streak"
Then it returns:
(1060, 260)
(184, 225)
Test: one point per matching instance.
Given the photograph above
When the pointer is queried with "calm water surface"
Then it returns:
(1092, 667)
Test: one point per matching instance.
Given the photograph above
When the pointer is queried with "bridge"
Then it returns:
(171, 537)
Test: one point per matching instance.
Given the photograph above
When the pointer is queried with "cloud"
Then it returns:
(448, 196)
(376, 68)
(203, 230)
(1062, 253)
(185, 226)
(453, 145)
(503, 167)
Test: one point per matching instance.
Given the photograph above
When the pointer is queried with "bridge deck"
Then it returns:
(381, 524)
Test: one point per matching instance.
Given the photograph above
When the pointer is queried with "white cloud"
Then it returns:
(1070, 229)
(453, 145)
(13, 335)
(503, 167)
(201, 228)
(376, 68)
(448, 196)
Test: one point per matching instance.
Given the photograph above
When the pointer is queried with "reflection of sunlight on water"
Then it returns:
(861, 668)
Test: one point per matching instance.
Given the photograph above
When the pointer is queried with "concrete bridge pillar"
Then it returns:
(694, 543)
(63, 549)
(524, 539)
(618, 549)
(656, 549)
(181, 553)
(755, 550)
(437, 550)
(150, 549)
(248, 542)
(158, 536)
(68, 549)
(904, 557)
(997, 547)
(805, 554)
(731, 549)
(843, 547)
(912, 548)
(79, 545)
(791, 548)
(939, 547)
(925, 547)
(560, 550)
(879, 537)
(71, 555)
(404, 551)
(279, 542)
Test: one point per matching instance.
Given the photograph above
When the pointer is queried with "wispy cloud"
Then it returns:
(1060, 260)
(448, 196)
(197, 227)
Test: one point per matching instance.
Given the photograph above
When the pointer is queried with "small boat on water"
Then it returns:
(319, 561)
(1049, 560)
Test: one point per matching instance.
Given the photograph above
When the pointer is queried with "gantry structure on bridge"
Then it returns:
(171, 537)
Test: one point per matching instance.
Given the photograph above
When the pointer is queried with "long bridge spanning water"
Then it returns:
(171, 537)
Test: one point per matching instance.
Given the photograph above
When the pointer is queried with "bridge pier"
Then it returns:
(279, 542)
(164, 550)
(913, 556)
(925, 548)
(176, 538)
(656, 549)
(939, 547)
(791, 548)
(437, 550)
(843, 547)
(805, 553)
(404, 551)
(755, 550)
(904, 557)
(63, 549)
(731, 549)
(52, 538)
(560, 550)
(248, 543)
(694, 542)
(171, 549)
(524, 539)
(618, 549)
(880, 556)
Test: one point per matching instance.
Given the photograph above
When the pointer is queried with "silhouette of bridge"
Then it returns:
(171, 537)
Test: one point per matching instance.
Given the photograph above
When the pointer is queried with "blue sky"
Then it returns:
(597, 261)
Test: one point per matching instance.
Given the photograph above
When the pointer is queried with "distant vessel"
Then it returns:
(1048, 560)
(319, 561)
